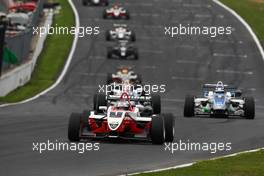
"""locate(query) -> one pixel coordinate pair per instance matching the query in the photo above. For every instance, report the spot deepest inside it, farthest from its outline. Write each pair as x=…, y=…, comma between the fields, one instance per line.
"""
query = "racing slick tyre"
x=74, y=127
x=189, y=106
x=249, y=108
x=156, y=105
x=85, y=118
x=84, y=2
x=133, y=36
x=106, y=3
x=99, y=100
x=136, y=54
x=169, y=123
x=127, y=16
x=109, y=79
x=139, y=79
x=107, y=35
x=109, y=53
x=104, y=14
x=157, y=130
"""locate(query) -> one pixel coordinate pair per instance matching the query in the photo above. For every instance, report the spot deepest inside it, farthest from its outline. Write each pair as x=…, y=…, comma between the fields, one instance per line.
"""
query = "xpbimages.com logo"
x=48, y=145
x=60, y=30
x=146, y=89
x=211, y=147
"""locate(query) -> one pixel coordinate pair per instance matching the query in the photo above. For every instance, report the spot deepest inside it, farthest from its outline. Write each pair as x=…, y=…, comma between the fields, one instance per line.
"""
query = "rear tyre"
x=99, y=100
x=109, y=53
x=127, y=15
x=169, y=122
x=133, y=36
x=74, y=127
x=109, y=79
x=136, y=54
x=249, y=108
x=105, y=15
x=106, y=3
x=107, y=35
x=139, y=79
x=157, y=130
x=156, y=105
x=189, y=106
x=84, y=2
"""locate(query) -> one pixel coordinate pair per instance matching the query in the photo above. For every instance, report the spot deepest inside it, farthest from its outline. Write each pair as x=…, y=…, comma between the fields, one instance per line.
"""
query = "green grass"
x=252, y=11
x=248, y=164
x=51, y=60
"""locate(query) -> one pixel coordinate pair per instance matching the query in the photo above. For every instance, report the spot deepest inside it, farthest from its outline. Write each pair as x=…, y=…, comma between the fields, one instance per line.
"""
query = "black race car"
x=95, y=2
x=123, y=50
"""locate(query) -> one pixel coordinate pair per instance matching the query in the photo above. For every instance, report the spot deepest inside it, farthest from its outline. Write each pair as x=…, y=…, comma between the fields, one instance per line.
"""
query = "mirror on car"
x=102, y=108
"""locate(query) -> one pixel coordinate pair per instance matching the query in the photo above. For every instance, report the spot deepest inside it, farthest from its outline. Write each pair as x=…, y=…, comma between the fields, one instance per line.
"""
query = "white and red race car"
x=116, y=12
x=124, y=74
x=121, y=119
x=120, y=32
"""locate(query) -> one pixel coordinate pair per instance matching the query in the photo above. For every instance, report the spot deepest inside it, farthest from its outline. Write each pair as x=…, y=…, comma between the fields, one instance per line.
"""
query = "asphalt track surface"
x=182, y=63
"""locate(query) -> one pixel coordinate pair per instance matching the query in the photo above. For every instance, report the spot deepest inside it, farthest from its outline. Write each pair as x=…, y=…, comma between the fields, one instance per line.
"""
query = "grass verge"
x=51, y=59
x=252, y=11
x=248, y=164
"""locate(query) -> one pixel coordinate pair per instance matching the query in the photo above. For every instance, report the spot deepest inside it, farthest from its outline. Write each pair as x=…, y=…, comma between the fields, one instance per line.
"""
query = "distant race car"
x=220, y=100
x=121, y=119
x=23, y=6
x=123, y=50
x=116, y=12
x=120, y=32
x=124, y=74
x=95, y=2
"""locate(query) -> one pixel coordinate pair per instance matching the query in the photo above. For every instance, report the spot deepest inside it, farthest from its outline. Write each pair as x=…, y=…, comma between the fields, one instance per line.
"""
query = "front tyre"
x=189, y=106
x=127, y=15
x=249, y=108
x=107, y=35
x=169, y=122
x=156, y=103
x=84, y=2
x=157, y=130
x=74, y=127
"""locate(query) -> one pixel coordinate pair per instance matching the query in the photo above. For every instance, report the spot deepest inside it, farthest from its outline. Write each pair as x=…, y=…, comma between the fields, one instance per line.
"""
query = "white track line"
x=66, y=66
x=190, y=164
x=229, y=55
x=234, y=72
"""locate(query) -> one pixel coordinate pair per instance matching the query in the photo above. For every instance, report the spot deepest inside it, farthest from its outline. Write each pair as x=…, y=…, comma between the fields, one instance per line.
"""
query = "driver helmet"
x=124, y=71
x=115, y=6
x=220, y=88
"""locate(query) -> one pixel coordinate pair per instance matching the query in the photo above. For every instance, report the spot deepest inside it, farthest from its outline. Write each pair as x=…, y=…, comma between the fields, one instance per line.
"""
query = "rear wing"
x=211, y=87
x=120, y=25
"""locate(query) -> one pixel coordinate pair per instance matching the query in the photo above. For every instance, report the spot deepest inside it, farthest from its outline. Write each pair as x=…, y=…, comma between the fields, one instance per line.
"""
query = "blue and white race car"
x=220, y=100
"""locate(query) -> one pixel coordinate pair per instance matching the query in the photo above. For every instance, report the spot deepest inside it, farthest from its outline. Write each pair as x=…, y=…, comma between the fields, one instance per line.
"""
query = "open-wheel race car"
x=124, y=74
x=220, y=100
x=120, y=32
x=122, y=50
x=121, y=118
x=116, y=12
x=95, y=2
